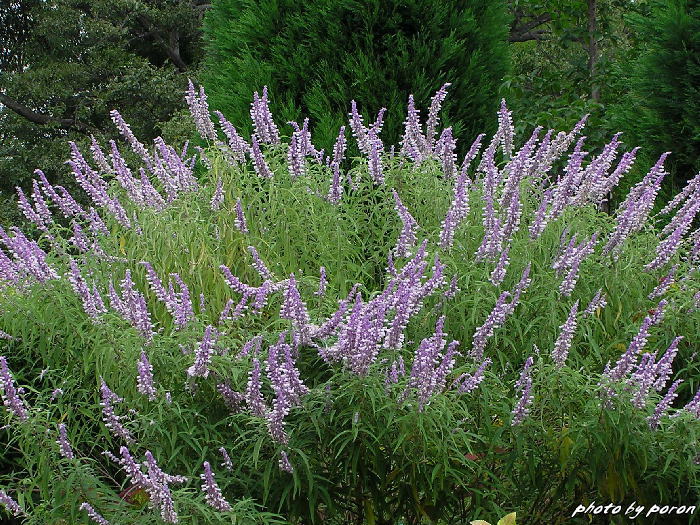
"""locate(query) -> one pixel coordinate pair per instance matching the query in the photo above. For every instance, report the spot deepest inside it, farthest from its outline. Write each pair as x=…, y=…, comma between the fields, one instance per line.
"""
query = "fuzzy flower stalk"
x=212, y=492
x=11, y=394
x=524, y=387
x=93, y=514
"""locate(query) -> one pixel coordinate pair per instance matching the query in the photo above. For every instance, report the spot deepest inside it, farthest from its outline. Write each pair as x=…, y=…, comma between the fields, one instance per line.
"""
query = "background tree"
x=66, y=63
x=662, y=109
x=316, y=56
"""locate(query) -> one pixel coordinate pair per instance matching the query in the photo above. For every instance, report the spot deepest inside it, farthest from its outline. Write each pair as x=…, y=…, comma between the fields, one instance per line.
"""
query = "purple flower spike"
x=265, y=129
x=694, y=405
x=217, y=198
x=293, y=308
x=240, y=221
x=200, y=112
x=261, y=167
x=11, y=505
x=566, y=335
x=598, y=301
x=284, y=463
x=253, y=394
x=499, y=272
x=407, y=238
x=259, y=265
x=228, y=464
x=322, y=283
x=94, y=515
x=63, y=443
x=664, y=405
x=469, y=382
x=111, y=420
x=203, y=353
x=144, y=379
x=212, y=491
x=524, y=387
x=10, y=394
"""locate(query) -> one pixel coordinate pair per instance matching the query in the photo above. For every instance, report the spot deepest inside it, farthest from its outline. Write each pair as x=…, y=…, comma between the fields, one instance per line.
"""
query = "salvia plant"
x=252, y=332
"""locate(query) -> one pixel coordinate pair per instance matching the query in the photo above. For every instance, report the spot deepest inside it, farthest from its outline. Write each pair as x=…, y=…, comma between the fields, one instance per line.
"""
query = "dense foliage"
x=66, y=63
x=662, y=109
x=318, y=55
x=412, y=340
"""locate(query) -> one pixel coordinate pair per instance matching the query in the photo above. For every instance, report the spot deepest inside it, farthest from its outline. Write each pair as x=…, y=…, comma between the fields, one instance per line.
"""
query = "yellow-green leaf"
x=508, y=519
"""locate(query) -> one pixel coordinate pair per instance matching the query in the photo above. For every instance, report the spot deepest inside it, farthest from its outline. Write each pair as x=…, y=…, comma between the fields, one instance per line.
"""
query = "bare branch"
x=43, y=119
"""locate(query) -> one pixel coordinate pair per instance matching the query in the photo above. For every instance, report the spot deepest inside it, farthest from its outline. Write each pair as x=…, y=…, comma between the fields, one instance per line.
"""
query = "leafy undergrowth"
x=263, y=333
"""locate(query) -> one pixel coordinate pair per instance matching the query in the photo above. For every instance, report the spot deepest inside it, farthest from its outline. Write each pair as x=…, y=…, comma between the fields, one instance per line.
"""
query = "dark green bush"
x=662, y=110
x=316, y=56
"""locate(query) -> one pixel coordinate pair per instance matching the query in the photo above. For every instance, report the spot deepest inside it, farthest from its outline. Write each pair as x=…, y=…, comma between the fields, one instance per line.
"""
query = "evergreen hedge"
x=316, y=56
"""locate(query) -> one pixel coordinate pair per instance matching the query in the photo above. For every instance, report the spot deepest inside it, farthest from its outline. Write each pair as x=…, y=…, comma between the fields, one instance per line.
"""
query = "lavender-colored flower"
x=93, y=514
x=217, y=198
x=598, y=301
x=459, y=207
x=493, y=321
x=643, y=379
x=228, y=464
x=29, y=258
x=506, y=131
x=203, y=353
x=635, y=209
x=469, y=382
x=430, y=366
x=261, y=167
x=414, y=144
x=144, y=378
x=265, y=129
x=445, y=151
x=662, y=368
x=63, y=443
x=433, y=111
x=159, y=491
x=682, y=222
x=627, y=360
x=58, y=392
x=111, y=420
x=92, y=301
x=10, y=394
x=322, y=283
x=232, y=399
x=566, y=335
x=452, y=290
x=212, y=492
x=407, y=238
x=284, y=463
x=293, y=308
x=10, y=504
x=200, y=112
x=499, y=272
x=240, y=221
x=239, y=147
x=259, y=265
x=664, y=405
x=126, y=132
x=694, y=405
x=541, y=215
x=664, y=284
x=253, y=394
x=524, y=387
x=376, y=169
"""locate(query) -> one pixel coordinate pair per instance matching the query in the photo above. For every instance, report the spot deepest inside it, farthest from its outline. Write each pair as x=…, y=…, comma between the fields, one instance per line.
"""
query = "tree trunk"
x=593, y=50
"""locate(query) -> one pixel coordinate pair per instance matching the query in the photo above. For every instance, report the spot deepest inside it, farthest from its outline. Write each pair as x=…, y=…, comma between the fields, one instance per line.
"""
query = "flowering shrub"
x=251, y=334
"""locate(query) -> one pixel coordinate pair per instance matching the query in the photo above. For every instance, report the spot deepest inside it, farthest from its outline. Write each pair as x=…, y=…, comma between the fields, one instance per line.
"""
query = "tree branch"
x=43, y=119
x=522, y=31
